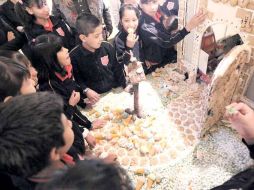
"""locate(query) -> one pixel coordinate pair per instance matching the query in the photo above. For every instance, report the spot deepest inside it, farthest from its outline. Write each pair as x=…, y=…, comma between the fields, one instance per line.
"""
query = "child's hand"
x=90, y=139
x=10, y=36
x=74, y=99
x=241, y=117
x=92, y=96
x=110, y=158
x=98, y=123
x=196, y=20
x=131, y=40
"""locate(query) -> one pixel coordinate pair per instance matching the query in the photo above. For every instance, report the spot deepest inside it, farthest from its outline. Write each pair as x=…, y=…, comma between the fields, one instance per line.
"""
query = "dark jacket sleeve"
x=3, y=37
x=163, y=39
x=76, y=73
x=16, y=44
x=69, y=110
x=117, y=68
x=250, y=147
x=107, y=18
x=122, y=51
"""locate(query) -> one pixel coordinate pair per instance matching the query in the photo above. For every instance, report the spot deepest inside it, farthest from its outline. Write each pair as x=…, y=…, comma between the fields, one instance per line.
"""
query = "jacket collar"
x=86, y=52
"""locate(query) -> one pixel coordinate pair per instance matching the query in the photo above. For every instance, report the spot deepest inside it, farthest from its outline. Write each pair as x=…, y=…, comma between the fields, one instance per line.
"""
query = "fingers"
x=243, y=108
x=92, y=144
x=240, y=107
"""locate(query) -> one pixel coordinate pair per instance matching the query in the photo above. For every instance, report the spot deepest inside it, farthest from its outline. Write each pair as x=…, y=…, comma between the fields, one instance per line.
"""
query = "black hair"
x=47, y=46
x=30, y=127
x=86, y=24
x=90, y=175
x=12, y=76
x=128, y=7
x=145, y=1
x=122, y=10
x=26, y=19
x=17, y=57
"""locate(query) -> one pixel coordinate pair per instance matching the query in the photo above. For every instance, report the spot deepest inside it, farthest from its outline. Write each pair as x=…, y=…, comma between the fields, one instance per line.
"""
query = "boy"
x=94, y=63
x=158, y=42
x=34, y=135
x=90, y=175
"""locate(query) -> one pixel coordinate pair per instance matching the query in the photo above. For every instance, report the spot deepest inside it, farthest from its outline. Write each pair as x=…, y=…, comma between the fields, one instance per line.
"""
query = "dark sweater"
x=123, y=52
x=157, y=41
x=97, y=70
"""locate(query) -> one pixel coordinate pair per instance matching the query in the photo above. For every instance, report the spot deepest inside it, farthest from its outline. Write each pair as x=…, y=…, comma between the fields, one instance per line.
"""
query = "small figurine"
x=135, y=74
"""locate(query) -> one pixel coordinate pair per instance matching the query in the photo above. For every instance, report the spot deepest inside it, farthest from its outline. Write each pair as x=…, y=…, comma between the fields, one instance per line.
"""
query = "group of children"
x=78, y=65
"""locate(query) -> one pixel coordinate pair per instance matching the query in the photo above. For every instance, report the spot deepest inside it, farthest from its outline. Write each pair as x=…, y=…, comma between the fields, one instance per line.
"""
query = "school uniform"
x=97, y=70
x=9, y=23
x=123, y=51
x=64, y=86
x=8, y=11
x=170, y=7
x=57, y=26
x=157, y=42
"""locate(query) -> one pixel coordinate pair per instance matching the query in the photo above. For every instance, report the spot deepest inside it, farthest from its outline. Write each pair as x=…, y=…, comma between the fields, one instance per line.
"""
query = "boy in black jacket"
x=94, y=63
x=40, y=143
x=157, y=38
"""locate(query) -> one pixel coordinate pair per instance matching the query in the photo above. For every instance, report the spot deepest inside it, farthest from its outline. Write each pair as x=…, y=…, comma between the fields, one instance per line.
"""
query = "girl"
x=35, y=17
x=60, y=80
x=127, y=40
x=156, y=34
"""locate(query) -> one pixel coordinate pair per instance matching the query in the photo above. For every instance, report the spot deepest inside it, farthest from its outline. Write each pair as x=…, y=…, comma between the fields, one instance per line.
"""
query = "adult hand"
x=241, y=117
x=196, y=20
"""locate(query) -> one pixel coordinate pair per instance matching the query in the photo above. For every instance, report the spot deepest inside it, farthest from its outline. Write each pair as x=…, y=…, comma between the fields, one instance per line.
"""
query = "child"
x=21, y=59
x=127, y=40
x=14, y=79
x=59, y=74
x=34, y=135
x=90, y=175
x=156, y=40
x=60, y=80
x=34, y=16
x=36, y=19
x=94, y=63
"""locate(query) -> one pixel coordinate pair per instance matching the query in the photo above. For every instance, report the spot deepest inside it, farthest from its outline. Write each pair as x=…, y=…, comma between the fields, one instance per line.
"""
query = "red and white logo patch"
x=170, y=5
x=104, y=60
x=60, y=31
